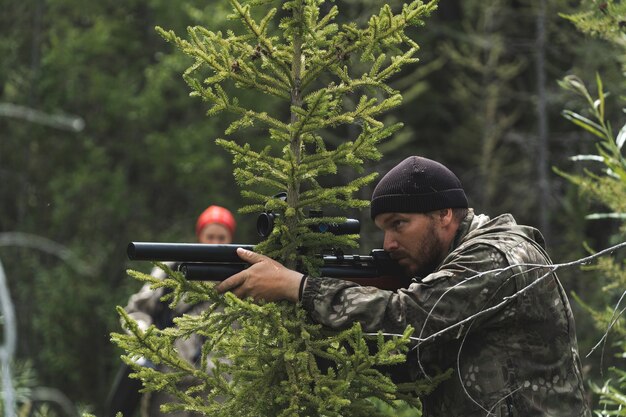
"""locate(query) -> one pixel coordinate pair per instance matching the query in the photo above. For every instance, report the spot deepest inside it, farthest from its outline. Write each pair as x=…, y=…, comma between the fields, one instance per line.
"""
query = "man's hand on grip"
x=265, y=279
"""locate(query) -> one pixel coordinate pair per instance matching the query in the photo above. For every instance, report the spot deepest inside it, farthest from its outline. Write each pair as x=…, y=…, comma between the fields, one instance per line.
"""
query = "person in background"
x=485, y=300
x=215, y=225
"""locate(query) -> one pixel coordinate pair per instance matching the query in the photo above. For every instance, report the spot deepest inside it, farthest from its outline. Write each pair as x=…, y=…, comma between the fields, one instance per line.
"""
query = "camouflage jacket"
x=517, y=357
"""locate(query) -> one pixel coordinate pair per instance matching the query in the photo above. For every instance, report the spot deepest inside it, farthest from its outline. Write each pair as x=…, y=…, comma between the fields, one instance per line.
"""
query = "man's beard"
x=430, y=254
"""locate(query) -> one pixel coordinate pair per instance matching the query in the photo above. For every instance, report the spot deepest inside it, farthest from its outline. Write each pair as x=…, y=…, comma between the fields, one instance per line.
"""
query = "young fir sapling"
x=306, y=69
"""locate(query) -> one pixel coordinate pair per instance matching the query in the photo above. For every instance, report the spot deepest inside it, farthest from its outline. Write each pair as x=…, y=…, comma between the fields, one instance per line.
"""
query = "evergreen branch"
x=363, y=147
x=331, y=196
x=260, y=32
x=397, y=62
x=250, y=179
x=323, y=106
x=253, y=195
x=150, y=344
x=366, y=110
x=222, y=102
x=246, y=72
x=223, y=64
x=249, y=76
x=248, y=117
x=348, y=153
x=319, y=104
x=262, y=117
x=274, y=167
x=325, y=21
x=366, y=80
x=176, y=281
x=380, y=31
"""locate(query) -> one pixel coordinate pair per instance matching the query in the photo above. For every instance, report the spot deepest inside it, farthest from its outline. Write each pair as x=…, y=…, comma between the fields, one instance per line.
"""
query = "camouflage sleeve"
x=462, y=287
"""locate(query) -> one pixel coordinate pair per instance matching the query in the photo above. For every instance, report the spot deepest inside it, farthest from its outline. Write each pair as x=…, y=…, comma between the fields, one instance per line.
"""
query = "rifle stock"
x=211, y=262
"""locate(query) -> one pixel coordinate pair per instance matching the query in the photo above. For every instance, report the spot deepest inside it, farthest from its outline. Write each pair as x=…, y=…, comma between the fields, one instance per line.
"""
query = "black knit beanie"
x=417, y=185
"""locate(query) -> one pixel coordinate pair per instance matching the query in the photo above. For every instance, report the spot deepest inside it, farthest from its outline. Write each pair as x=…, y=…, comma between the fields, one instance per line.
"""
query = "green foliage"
x=607, y=186
x=139, y=167
x=272, y=360
x=145, y=163
x=29, y=401
x=604, y=19
x=612, y=395
x=264, y=360
x=302, y=62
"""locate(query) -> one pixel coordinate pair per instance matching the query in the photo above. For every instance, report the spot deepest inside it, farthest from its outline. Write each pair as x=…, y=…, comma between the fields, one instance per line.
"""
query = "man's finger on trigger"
x=229, y=284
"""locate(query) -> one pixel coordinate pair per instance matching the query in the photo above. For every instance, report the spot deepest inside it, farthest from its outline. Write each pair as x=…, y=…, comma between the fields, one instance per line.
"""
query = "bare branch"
x=59, y=121
x=614, y=319
x=550, y=269
x=46, y=245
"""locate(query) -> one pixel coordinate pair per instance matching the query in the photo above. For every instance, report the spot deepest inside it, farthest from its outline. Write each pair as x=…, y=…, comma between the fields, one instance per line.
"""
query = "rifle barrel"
x=210, y=272
x=364, y=276
x=220, y=271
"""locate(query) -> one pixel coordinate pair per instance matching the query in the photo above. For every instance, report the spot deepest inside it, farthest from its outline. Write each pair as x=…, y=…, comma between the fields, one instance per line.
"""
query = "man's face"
x=414, y=240
x=215, y=233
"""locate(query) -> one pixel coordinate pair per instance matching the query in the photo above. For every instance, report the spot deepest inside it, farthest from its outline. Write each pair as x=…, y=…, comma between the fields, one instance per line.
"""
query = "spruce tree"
x=268, y=359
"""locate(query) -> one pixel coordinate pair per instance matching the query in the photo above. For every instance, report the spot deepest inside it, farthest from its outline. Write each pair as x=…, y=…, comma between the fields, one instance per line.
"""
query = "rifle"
x=216, y=262
x=212, y=262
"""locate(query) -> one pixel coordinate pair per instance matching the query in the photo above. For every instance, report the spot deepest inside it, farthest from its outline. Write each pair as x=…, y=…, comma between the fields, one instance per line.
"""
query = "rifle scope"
x=265, y=225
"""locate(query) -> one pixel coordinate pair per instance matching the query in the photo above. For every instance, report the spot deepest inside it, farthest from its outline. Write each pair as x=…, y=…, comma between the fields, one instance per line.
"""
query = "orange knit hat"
x=216, y=214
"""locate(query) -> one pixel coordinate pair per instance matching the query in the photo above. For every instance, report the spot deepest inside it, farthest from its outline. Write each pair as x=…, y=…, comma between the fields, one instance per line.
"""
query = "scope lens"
x=265, y=224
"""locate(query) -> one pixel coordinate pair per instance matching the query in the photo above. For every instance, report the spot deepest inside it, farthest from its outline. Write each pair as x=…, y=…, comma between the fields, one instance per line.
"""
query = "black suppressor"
x=184, y=252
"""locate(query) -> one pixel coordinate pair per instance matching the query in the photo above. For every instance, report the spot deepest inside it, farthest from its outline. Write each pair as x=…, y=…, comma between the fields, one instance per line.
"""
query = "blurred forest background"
x=100, y=145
